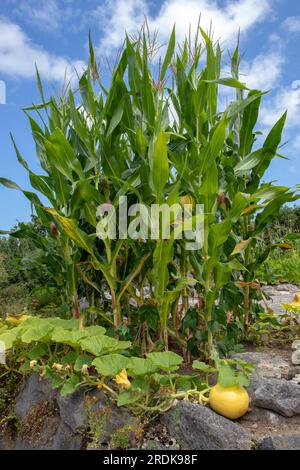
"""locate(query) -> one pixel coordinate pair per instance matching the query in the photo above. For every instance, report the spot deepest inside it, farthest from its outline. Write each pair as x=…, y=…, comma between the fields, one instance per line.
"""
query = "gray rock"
x=266, y=364
x=56, y=432
x=281, y=288
x=288, y=442
x=260, y=415
x=65, y=439
x=296, y=379
x=280, y=294
x=50, y=421
x=197, y=427
x=72, y=409
x=34, y=391
x=293, y=371
x=39, y=439
x=281, y=396
x=82, y=410
x=106, y=420
x=92, y=411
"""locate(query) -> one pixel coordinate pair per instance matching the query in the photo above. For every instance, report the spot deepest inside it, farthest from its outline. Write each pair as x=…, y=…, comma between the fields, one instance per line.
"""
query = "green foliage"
x=72, y=357
x=280, y=268
x=230, y=372
x=31, y=275
x=155, y=136
x=111, y=365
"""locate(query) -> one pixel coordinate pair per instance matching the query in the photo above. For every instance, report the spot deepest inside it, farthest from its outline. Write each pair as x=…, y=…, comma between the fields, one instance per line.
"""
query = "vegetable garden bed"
x=138, y=303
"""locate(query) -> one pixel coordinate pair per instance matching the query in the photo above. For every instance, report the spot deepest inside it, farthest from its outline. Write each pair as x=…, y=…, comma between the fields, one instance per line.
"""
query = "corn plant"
x=157, y=135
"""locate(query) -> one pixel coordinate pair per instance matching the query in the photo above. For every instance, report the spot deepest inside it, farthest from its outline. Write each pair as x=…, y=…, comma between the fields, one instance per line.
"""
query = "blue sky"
x=54, y=35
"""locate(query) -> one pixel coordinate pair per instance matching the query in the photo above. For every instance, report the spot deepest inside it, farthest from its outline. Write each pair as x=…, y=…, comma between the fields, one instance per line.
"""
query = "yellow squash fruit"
x=231, y=402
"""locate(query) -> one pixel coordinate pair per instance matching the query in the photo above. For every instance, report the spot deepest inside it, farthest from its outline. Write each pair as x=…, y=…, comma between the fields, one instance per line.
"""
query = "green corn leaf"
x=272, y=210
x=33, y=198
x=9, y=184
x=241, y=246
x=250, y=161
x=92, y=60
x=78, y=121
x=116, y=119
x=209, y=187
x=267, y=192
x=271, y=145
x=215, y=145
x=39, y=84
x=238, y=106
x=239, y=203
x=19, y=156
x=212, y=72
x=160, y=164
x=222, y=272
x=228, y=81
x=40, y=184
x=169, y=55
x=218, y=234
x=62, y=155
x=73, y=231
x=141, y=142
x=87, y=95
x=162, y=256
x=249, y=120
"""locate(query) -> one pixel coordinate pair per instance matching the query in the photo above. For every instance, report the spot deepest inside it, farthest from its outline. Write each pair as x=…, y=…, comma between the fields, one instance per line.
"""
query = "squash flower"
x=122, y=379
x=296, y=301
x=57, y=367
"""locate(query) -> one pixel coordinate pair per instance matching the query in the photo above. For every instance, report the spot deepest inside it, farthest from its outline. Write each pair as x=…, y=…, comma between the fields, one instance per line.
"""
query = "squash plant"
x=70, y=358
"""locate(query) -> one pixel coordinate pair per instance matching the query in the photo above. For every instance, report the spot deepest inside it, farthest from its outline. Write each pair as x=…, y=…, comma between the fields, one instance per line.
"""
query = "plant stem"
x=116, y=309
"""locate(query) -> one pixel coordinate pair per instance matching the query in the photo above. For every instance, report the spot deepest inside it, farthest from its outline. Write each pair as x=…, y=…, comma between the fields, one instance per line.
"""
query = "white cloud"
x=45, y=15
x=292, y=24
x=286, y=99
x=117, y=16
x=49, y=16
x=264, y=72
x=18, y=56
